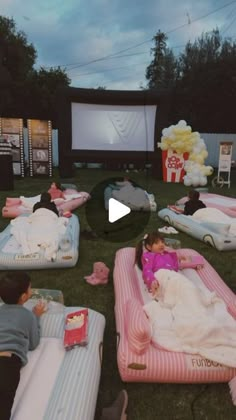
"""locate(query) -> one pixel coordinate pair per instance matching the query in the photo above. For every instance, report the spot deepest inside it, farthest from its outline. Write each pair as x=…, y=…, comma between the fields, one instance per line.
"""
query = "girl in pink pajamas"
x=151, y=256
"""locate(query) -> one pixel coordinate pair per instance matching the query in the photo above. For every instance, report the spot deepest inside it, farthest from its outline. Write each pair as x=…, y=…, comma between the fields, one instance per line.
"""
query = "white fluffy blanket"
x=42, y=229
x=190, y=319
x=210, y=214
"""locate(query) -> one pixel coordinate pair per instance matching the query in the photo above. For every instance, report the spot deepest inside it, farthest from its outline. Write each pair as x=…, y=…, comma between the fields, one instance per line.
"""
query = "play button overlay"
x=116, y=210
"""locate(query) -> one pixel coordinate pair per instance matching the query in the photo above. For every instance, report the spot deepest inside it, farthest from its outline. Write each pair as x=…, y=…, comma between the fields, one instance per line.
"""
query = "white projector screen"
x=113, y=127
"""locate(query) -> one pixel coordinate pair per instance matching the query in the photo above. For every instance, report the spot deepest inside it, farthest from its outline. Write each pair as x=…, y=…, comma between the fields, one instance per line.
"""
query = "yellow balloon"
x=199, y=159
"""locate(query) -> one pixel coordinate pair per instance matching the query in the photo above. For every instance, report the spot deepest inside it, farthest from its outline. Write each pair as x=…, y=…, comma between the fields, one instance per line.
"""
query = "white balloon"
x=201, y=141
x=165, y=132
x=195, y=171
x=187, y=181
x=202, y=181
x=196, y=149
x=182, y=123
x=195, y=181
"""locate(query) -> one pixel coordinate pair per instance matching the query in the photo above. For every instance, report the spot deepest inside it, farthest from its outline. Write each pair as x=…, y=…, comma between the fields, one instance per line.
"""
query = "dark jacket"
x=193, y=205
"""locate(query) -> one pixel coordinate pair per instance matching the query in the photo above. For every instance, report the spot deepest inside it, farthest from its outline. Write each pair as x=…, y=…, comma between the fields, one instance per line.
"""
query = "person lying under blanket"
x=184, y=317
x=42, y=230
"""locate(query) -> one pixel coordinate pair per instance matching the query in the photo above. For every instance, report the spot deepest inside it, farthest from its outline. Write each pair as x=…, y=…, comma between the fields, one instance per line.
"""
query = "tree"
x=161, y=73
x=18, y=57
x=201, y=82
x=41, y=89
x=16, y=60
x=24, y=91
x=207, y=78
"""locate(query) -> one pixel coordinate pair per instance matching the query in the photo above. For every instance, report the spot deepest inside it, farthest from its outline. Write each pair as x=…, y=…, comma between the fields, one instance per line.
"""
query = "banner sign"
x=40, y=147
x=11, y=129
x=225, y=157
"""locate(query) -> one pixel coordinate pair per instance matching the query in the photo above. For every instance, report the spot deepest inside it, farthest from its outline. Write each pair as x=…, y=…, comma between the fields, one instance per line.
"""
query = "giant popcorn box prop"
x=76, y=329
x=173, y=165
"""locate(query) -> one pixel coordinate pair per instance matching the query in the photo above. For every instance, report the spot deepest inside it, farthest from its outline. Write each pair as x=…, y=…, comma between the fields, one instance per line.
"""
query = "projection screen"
x=113, y=128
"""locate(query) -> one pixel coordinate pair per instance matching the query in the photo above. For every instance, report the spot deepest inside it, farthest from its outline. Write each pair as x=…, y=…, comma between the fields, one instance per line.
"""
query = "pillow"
x=29, y=202
x=176, y=209
x=221, y=228
x=139, y=329
x=11, y=201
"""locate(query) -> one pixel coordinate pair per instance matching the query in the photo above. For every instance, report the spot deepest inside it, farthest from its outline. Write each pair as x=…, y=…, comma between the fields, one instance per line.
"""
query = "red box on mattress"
x=76, y=329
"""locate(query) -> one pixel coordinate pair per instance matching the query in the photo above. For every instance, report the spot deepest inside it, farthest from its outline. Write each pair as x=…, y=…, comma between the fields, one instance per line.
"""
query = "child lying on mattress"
x=193, y=204
x=19, y=332
x=46, y=203
x=55, y=191
x=151, y=255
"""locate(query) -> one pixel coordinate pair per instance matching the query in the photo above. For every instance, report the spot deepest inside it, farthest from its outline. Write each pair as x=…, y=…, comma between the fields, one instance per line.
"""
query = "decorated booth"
x=183, y=155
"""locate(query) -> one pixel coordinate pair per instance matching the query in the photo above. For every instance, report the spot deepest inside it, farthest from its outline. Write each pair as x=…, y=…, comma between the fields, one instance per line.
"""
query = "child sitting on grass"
x=19, y=332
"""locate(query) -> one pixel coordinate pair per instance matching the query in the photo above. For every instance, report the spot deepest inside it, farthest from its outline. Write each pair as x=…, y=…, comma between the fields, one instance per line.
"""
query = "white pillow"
x=29, y=202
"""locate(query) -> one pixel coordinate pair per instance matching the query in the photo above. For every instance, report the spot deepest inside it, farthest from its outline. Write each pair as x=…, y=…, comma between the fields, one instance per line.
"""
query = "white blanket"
x=210, y=214
x=41, y=230
x=29, y=202
x=132, y=196
x=190, y=319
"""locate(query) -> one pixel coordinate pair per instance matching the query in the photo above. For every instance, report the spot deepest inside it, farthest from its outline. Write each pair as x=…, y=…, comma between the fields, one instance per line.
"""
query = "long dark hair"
x=58, y=185
x=149, y=239
x=45, y=197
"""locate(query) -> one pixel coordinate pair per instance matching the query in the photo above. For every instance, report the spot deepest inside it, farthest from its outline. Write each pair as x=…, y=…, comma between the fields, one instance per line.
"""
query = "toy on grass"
x=100, y=274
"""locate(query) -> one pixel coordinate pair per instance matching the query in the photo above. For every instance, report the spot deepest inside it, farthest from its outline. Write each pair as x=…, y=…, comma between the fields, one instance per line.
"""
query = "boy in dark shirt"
x=193, y=204
x=19, y=332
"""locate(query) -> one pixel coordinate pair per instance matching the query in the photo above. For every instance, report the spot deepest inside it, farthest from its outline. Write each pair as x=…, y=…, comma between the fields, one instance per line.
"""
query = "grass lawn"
x=146, y=401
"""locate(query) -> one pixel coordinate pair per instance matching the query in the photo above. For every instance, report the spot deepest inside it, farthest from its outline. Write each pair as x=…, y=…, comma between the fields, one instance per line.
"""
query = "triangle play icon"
x=116, y=210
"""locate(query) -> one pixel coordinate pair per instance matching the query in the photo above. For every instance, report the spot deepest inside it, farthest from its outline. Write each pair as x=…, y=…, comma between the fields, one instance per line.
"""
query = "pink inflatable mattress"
x=16, y=206
x=156, y=364
x=225, y=204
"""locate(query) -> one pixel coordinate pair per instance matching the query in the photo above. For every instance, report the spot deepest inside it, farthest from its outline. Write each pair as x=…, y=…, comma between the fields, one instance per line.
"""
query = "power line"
x=130, y=55
x=145, y=42
x=230, y=24
x=117, y=56
x=113, y=68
